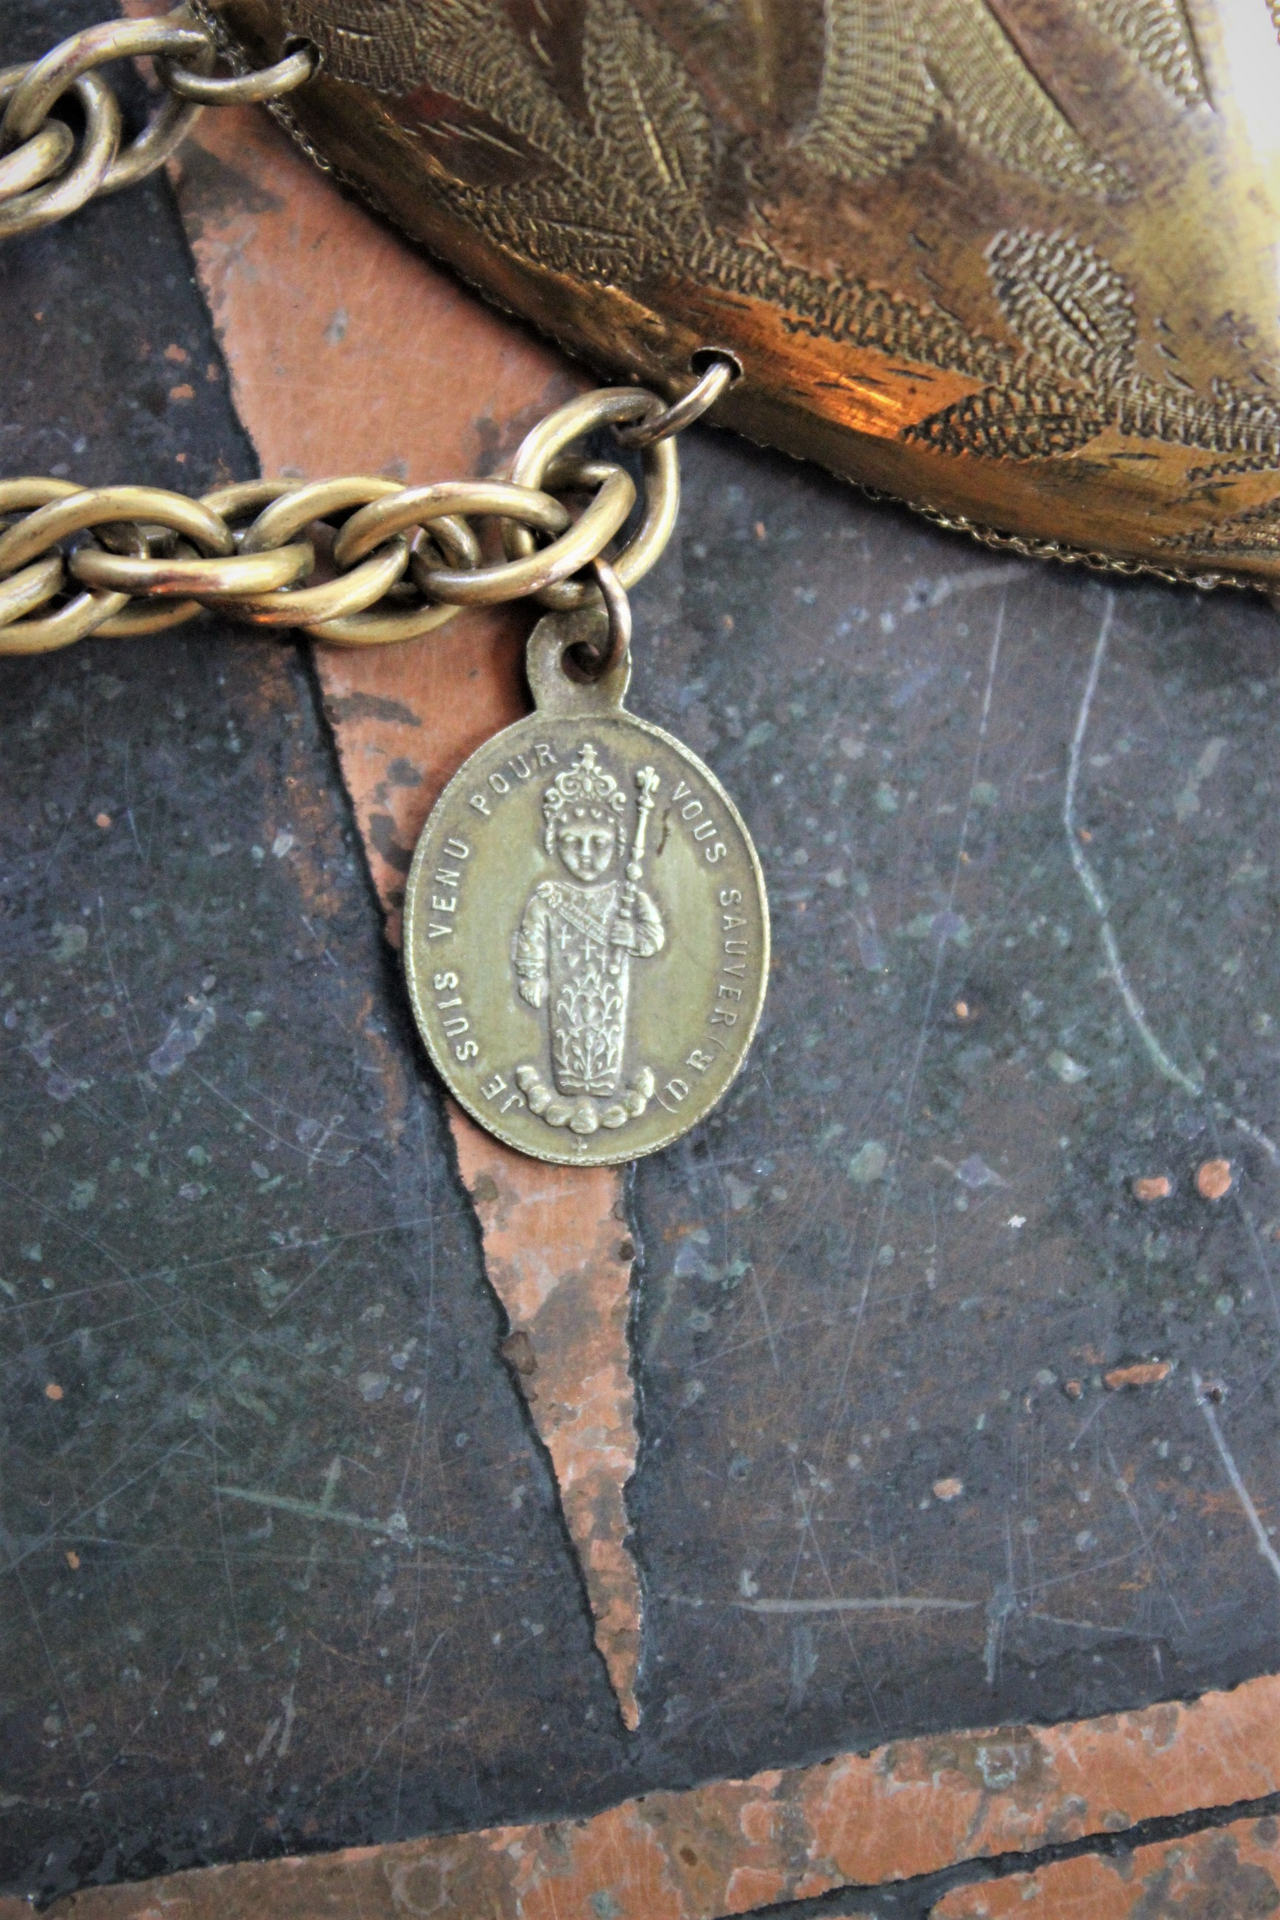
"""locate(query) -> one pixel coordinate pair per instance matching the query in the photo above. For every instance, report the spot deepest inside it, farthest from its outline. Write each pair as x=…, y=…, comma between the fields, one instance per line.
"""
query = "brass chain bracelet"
x=399, y=561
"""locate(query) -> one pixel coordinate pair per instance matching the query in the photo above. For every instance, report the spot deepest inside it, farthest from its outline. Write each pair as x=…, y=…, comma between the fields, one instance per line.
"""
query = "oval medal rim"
x=490, y=1123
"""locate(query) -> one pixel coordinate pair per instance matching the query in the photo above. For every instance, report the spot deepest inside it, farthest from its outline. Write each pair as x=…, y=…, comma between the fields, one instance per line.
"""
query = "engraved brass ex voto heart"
x=1014, y=260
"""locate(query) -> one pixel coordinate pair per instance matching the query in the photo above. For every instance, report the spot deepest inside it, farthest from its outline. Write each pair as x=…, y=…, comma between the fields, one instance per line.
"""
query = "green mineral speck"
x=869, y=1163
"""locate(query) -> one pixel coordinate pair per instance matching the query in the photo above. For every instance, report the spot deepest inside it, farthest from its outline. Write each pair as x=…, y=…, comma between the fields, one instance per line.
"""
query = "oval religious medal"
x=586, y=928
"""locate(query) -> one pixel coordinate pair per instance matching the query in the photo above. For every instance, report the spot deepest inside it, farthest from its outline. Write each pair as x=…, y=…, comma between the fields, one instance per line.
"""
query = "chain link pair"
x=43, y=178
x=402, y=560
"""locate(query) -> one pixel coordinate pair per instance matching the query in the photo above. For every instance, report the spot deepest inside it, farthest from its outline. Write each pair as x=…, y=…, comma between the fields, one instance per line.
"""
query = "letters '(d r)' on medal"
x=586, y=928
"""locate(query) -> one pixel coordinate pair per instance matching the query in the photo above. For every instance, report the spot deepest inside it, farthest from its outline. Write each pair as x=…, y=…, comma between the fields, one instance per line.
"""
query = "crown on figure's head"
x=583, y=791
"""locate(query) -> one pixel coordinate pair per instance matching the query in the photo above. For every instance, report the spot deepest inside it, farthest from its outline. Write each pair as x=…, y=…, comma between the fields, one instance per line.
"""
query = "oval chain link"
x=538, y=458
x=24, y=209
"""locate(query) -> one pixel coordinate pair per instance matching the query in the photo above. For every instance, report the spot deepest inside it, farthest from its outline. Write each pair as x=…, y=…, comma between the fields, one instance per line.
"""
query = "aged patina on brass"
x=586, y=927
x=1014, y=260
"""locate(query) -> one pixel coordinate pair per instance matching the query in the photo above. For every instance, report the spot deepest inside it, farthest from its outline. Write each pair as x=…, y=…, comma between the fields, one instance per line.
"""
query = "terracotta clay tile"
x=350, y=353
x=567, y=1297
x=911, y=1808
x=1233, y=1871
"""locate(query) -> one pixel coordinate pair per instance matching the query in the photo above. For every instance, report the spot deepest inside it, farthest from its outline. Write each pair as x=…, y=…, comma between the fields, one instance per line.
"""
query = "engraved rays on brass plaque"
x=1013, y=260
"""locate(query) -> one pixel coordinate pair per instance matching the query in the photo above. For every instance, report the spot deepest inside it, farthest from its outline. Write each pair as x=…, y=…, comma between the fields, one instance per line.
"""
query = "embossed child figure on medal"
x=574, y=947
x=586, y=927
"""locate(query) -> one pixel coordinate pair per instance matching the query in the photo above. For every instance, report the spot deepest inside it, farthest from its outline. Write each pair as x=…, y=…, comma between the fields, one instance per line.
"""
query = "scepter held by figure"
x=647, y=784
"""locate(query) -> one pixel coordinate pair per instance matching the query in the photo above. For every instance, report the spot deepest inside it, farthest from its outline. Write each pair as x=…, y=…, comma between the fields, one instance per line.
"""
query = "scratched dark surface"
x=282, y=1564
x=875, y=1282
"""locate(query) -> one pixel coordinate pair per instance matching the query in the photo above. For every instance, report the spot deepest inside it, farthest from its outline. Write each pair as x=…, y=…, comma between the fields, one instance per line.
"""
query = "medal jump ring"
x=242, y=89
x=721, y=371
x=579, y=651
x=618, y=607
x=535, y=460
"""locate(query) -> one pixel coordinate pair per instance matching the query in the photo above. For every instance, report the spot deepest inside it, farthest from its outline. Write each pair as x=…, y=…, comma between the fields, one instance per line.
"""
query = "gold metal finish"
x=108, y=506
x=1013, y=262
x=241, y=89
x=37, y=186
x=1020, y=271
x=287, y=507
x=617, y=607
x=87, y=613
x=586, y=928
x=33, y=490
x=29, y=588
x=241, y=577
x=582, y=1042
x=140, y=616
x=721, y=372
x=44, y=84
x=515, y=579
x=380, y=628
x=350, y=593
x=538, y=460
x=404, y=559
x=45, y=153
x=25, y=211
x=427, y=506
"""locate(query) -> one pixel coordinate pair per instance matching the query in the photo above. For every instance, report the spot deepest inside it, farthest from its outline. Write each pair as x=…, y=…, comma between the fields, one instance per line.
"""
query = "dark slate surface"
x=1018, y=827
x=234, y=1243
x=232, y=1238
